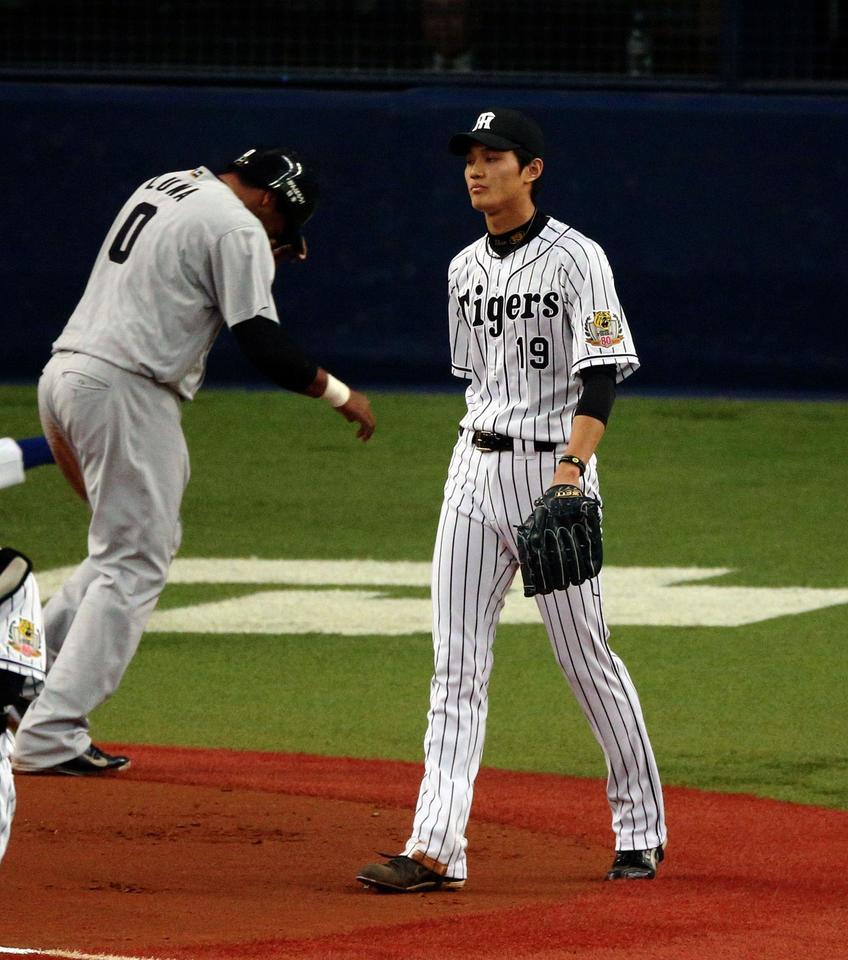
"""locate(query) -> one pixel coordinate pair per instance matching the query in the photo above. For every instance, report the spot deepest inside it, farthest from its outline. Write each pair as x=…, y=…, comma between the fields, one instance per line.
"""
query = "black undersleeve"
x=270, y=349
x=598, y=394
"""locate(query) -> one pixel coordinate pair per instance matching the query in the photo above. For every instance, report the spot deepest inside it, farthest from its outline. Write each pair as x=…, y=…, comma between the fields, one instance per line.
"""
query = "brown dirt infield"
x=220, y=855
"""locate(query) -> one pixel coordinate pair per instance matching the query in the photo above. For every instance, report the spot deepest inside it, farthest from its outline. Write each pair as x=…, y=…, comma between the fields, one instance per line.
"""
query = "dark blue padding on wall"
x=723, y=217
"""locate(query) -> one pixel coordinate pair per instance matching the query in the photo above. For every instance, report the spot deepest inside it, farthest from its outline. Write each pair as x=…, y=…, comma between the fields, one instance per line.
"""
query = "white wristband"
x=336, y=393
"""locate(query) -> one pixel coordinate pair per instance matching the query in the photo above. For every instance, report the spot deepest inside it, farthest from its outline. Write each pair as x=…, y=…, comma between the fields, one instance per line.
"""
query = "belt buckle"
x=483, y=440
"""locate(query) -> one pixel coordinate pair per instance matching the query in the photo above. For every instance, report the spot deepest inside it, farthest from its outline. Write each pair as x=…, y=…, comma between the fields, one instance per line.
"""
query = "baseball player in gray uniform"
x=189, y=252
x=537, y=329
x=22, y=663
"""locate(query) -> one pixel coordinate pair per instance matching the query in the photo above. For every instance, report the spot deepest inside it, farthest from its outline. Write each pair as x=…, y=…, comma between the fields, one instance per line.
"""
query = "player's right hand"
x=358, y=410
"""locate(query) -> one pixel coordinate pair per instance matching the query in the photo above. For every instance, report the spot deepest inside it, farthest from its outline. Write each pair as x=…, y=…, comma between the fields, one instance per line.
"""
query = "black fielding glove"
x=560, y=544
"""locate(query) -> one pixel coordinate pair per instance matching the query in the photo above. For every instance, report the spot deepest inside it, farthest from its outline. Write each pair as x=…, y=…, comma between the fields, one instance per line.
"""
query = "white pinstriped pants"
x=474, y=563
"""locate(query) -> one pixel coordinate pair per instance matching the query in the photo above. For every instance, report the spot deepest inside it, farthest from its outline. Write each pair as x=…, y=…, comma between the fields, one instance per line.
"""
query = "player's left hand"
x=289, y=252
x=560, y=543
x=358, y=410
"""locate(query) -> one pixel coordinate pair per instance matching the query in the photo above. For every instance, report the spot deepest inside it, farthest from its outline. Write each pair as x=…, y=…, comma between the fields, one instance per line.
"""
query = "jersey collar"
x=503, y=244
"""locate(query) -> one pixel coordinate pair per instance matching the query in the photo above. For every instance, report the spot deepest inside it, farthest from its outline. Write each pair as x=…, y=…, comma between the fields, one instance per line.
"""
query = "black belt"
x=488, y=442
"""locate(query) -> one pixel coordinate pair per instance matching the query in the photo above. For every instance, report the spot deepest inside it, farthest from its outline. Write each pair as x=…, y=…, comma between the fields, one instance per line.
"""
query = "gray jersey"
x=183, y=257
x=523, y=326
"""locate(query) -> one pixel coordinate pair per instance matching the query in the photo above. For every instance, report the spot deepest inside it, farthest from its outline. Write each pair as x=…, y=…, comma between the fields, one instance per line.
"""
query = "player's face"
x=495, y=179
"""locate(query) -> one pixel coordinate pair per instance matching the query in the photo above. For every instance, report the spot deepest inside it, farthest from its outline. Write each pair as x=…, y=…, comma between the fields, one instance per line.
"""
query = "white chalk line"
x=69, y=954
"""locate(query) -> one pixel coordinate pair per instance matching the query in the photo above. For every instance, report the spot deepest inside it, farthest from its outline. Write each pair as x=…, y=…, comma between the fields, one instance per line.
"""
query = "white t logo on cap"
x=484, y=121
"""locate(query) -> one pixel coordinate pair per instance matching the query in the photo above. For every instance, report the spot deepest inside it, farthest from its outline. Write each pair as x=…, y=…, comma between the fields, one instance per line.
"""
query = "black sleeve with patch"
x=270, y=349
x=598, y=394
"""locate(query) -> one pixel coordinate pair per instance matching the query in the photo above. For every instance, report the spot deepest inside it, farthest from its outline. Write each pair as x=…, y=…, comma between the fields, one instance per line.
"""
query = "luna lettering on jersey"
x=512, y=306
x=603, y=329
x=172, y=186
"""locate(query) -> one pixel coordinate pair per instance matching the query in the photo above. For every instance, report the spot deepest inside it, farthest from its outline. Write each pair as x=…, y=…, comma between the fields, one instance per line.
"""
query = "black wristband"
x=575, y=461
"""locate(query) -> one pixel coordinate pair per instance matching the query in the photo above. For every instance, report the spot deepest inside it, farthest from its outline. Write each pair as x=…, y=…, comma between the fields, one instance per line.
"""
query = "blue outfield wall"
x=723, y=217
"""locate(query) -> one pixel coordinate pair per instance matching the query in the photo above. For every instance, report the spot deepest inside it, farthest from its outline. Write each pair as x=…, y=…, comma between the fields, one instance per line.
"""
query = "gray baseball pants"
x=118, y=436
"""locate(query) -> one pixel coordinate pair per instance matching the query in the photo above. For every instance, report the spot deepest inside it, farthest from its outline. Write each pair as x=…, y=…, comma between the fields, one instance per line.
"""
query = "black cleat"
x=405, y=875
x=636, y=864
x=91, y=763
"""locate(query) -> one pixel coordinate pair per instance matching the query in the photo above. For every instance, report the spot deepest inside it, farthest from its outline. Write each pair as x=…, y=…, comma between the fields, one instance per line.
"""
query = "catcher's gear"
x=560, y=544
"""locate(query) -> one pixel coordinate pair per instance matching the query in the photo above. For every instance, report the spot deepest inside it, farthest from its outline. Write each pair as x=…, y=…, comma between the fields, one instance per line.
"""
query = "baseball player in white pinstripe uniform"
x=537, y=329
x=23, y=652
x=22, y=663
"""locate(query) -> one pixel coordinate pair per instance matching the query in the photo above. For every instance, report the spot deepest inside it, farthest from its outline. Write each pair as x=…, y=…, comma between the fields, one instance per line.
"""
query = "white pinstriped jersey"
x=23, y=650
x=183, y=256
x=523, y=326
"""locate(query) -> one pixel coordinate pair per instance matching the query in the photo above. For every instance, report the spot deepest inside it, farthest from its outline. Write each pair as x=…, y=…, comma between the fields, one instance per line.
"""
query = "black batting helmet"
x=285, y=174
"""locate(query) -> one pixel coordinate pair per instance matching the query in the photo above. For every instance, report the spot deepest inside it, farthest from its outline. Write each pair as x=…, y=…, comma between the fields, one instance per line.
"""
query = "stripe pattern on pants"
x=474, y=564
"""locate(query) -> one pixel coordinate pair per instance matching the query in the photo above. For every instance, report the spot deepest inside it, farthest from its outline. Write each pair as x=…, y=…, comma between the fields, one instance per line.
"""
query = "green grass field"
x=755, y=486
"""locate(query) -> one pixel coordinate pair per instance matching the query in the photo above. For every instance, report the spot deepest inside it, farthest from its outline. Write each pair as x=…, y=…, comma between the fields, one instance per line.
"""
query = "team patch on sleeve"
x=23, y=638
x=603, y=329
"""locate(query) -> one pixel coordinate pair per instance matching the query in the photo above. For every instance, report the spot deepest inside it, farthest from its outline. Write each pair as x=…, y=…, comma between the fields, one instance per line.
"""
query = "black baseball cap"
x=501, y=129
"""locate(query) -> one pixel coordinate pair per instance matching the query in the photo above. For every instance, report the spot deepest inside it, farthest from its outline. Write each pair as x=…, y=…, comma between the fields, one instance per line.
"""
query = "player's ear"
x=533, y=170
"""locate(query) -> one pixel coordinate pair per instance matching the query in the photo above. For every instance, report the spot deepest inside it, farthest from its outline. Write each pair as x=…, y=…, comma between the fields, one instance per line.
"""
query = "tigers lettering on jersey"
x=516, y=306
